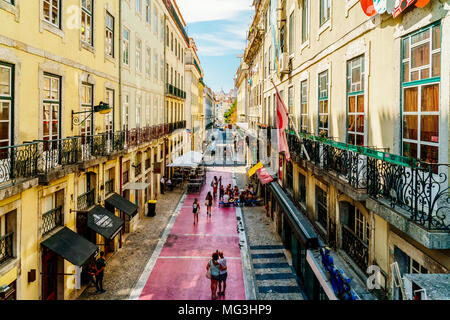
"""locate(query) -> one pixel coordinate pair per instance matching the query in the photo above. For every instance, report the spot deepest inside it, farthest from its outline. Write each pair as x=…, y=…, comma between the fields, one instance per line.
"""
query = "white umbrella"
x=191, y=159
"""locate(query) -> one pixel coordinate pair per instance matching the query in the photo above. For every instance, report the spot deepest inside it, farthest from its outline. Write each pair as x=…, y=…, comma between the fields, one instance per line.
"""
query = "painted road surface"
x=180, y=268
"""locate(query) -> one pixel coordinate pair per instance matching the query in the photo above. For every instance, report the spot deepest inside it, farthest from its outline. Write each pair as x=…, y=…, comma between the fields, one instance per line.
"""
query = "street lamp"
x=102, y=108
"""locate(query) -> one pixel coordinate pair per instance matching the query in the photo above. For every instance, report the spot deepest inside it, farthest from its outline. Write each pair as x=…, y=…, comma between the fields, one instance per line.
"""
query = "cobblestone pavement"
x=125, y=266
x=274, y=276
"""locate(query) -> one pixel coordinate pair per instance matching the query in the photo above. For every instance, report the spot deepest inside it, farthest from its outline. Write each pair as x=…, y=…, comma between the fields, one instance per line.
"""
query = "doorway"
x=49, y=275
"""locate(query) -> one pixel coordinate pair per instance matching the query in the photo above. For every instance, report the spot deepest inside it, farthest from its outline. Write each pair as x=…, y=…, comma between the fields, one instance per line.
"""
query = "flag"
x=282, y=122
x=253, y=170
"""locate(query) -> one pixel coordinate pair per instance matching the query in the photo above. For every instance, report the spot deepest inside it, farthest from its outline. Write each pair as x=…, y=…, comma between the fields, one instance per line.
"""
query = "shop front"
x=63, y=245
x=128, y=210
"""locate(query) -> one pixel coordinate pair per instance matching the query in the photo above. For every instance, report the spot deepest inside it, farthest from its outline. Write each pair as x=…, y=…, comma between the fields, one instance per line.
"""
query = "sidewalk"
x=125, y=266
x=274, y=276
x=178, y=271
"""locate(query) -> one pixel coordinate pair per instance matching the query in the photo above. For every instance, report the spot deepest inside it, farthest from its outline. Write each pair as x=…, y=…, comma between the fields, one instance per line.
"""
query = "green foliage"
x=229, y=115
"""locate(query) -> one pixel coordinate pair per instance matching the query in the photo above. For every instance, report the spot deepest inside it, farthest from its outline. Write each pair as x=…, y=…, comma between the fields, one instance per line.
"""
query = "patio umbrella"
x=191, y=159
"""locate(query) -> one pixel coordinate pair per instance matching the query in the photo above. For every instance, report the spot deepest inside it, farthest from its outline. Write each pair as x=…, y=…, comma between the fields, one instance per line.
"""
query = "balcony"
x=138, y=169
x=147, y=163
x=52, y=219
x=175, y=92
x=355, y=248
x=412, y=196
x=86, y=200
x=6, y=247
x=19, y=162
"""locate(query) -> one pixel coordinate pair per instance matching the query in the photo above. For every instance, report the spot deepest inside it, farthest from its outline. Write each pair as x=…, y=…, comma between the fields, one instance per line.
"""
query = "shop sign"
x=264, y=176
x=394, y=7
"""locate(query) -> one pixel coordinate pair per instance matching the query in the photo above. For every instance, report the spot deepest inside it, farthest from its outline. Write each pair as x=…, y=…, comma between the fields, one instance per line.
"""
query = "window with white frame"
x=155, y=19
x=323, y=104
x=138, y=55
x=325, y=11
x=147, y=109
x=51, y=11
x=304, y=107
x=51, y=107
x=109, y=36
x=6, y=104
x=291, y=33
x=148, y=62
x=126, y=47
x=421, y=71
x=87, y=22
x=139, y=6
x=148, y=11
x=155, y=66
x=305, y=21
x=138, y=111
x=355, y=101
x=161, y=29
x=87, y=104
x=109, y=118
x=161, y=69
x=290, y=106
x=126, y=111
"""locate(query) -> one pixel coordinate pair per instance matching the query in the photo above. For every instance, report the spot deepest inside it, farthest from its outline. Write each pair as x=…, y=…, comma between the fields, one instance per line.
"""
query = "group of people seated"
x=233, y=196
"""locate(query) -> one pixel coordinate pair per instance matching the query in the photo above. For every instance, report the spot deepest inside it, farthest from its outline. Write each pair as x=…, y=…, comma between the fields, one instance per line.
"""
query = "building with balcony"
x=368, y=135
x=81, y=136
x=176, y=47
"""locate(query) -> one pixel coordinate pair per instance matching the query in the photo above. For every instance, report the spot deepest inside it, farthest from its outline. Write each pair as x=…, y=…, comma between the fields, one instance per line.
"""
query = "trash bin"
x=151, y=208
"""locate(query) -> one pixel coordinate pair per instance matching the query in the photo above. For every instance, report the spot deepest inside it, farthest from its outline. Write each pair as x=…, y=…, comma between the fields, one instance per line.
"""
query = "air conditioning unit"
x=284, y=63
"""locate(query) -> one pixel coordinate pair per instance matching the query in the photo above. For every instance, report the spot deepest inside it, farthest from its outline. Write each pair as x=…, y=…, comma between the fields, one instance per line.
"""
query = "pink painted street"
x=179, y=271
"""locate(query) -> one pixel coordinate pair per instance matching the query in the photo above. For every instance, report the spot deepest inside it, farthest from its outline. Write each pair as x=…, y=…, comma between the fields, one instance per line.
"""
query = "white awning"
x=137, y=186
x=191, y=160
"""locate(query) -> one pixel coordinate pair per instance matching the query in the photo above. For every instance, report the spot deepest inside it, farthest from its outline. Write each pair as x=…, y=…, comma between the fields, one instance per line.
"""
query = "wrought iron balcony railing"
x=420, y=190
x=355, y=248
x=52, y=219
x=138, y=169
x=6, y=247
x=19, y=162
x=86, y=200
x=147, y=163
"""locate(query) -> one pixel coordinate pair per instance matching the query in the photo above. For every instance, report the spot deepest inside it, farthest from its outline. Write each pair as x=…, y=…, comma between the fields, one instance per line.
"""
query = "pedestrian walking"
x=221, y=193
x=196, y=210
x=220, y=182
x=209, y=203
x=162, y=183
x=92, y=271
x=101, y=264
x=222, y=274
x=214, y=184
x=213, y=268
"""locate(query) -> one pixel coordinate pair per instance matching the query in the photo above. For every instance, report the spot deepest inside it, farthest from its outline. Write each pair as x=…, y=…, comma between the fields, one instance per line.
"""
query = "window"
x=148, y=11
x=270, y=60
x=161, y=29
x=167, y=36
x=325, y=10
x=138, y=56
x=283, y=39
x=52, y=12
x=109, y=35
x=355, y=101
x=8, y=225
x=147, y=109
x=53, y=214
x=138, y=111
x=9, y=1
x=290, y=177
x=155, y=19
x=6, y=104
x=87, y=106
x=321, y=207
x=155, y=65
x=305, y=21
x=291, y=106
x=421, y=68
x=148, y=63
x=304, y=107
x=161, y=70
x=109, y=118
x=139, y=6
x=126, y=111
x=171, y=41
x=291, y=32
x=87, y=23
x=323, y=104
x=301, y=196
x=126, y=47
x=51, y=107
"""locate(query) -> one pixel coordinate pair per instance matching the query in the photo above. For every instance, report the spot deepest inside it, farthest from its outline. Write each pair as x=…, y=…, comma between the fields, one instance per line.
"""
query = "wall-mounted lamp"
x=102, y=108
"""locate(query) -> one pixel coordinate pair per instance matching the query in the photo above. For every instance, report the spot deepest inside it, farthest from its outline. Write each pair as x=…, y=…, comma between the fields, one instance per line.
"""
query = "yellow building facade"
x=84, y=134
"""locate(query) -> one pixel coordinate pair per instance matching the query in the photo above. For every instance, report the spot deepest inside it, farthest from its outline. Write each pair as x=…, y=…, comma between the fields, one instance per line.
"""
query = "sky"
x=219, y=30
